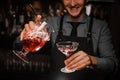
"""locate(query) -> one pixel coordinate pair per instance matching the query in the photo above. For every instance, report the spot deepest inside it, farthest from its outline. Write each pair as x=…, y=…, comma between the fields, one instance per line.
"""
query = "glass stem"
x=24, y=51
x=66, y=53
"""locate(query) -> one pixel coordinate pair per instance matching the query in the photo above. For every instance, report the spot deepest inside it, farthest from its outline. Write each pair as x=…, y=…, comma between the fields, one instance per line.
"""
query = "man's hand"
x=30, y=26
x=80, y=60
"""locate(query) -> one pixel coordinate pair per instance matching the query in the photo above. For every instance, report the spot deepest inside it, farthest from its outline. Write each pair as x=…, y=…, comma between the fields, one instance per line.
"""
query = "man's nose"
x=73, y=2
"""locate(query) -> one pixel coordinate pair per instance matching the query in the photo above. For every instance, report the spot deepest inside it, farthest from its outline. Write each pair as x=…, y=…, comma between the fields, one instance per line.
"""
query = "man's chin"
x=74, y=15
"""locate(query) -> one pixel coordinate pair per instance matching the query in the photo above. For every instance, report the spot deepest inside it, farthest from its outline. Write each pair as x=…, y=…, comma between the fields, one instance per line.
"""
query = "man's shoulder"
x=99, y=26
x=54, y=21
x=99, y=21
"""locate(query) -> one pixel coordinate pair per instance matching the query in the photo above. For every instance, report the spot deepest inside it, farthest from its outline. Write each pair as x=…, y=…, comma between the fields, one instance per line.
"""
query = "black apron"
x=85, y=44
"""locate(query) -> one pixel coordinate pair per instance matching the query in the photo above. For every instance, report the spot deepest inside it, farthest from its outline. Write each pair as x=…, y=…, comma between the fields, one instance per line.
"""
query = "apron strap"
x=60, y=33
x=89, y=34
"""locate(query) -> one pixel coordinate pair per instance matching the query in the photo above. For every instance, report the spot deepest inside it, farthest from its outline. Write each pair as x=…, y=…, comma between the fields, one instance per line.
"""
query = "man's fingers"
x=26, y=29
x=80, y=64
x=31, y=25
x=71, y=58
x=37, y=19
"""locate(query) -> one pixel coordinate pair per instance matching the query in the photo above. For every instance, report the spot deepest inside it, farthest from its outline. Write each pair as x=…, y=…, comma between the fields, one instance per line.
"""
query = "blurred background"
x=15, y=13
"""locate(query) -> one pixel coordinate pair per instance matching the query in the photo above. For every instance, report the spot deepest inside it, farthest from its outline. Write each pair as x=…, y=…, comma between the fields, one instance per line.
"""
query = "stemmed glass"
x=32, y=42
x=67, y=48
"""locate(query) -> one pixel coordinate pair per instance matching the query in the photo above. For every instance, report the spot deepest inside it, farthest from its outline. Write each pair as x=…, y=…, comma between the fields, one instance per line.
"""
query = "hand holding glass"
x=32, y=42
x=67, y=48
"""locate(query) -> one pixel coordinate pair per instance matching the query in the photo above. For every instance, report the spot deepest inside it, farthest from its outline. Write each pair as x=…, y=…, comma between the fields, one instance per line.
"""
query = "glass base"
x=21, y=55
x=66, y=70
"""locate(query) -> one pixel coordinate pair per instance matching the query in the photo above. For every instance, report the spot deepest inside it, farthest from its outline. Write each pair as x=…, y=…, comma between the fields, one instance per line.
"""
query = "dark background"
x=111, y=15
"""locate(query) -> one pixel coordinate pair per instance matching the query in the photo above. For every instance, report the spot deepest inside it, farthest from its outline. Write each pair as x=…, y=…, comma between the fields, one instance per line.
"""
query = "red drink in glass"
x=32, y=42
x=33, y=45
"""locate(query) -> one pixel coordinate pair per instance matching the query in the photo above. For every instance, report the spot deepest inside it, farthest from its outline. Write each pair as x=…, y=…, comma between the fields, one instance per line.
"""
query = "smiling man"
x=74, y=7
x=95, y=55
